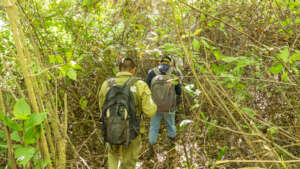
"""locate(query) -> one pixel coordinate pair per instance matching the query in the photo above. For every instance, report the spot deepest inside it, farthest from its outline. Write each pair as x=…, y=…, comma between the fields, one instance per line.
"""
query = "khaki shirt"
x=140, y=91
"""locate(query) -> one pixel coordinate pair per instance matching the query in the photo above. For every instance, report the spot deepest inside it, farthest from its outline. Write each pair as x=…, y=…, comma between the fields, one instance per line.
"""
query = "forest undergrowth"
x=240, y=63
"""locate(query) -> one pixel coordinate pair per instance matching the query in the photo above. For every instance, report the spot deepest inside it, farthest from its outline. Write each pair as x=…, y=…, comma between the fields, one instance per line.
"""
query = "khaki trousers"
x=127, y=156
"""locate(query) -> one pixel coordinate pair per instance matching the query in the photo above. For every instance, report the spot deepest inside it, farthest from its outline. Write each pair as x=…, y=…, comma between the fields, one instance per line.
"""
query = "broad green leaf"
x=249, y=111
x=197, y=32
x=44, y=164
x=298, y=114
x=59, y=59
x=52, y=59
x=273, y=130
x=196, y=44
x=2, y=134
x=29, y=136
x=21, y=110
x=276, y=68
x=10, y=123
x=24, y=154
x=35, y=119
x=72, y=74
x=218, y=54
x=83, y=102
x=284, y=55
x=204, y=118
x=69, y=55
x=3, y=145
x=205, y=43
x=222, y=152
x=285, y=76
x=229, y=59
x=15, y=136
x=296, y=56
x=2, y=152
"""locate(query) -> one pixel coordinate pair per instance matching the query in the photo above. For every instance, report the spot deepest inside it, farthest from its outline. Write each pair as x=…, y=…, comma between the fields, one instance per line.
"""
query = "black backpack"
x=120, y=122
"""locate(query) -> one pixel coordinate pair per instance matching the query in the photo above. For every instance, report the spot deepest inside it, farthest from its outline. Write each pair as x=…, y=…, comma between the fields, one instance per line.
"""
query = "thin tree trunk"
x=8, y=139
x=18, y=35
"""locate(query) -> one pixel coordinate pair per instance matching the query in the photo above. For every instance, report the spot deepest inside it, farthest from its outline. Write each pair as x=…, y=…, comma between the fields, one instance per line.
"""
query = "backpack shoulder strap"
x=130, y=82
x=111, y=82
x=156, y=71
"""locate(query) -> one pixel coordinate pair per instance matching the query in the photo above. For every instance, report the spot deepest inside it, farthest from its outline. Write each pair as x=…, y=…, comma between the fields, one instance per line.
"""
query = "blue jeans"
x=155, y=125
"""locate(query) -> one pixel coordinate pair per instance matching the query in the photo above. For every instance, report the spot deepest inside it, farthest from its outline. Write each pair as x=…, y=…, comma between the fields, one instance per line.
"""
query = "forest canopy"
x=239, y=60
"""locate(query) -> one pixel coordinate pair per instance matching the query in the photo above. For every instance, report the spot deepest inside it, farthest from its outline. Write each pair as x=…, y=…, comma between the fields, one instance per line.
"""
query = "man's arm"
x=148, y=106
x=149, y=77
x=102, y=94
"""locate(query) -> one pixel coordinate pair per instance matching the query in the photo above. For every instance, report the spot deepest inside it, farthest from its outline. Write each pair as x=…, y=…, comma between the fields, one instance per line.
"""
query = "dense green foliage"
x=240, y=62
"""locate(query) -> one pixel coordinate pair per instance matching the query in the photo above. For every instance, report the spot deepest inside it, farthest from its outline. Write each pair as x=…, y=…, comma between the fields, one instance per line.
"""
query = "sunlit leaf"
x=285, y=76
x=10, y=123
x=229, y=59
x=273, y=130
x=24, y=154
x=29, y=136
x=15, y=136
x=222, y=152
x=35, y=119
x=83, y=102
x=2, y=134
x=218, y=54
x=249, y=111
x=72, y=74
x=69, y=55
x=21, y=110
x=296, y=56
x=276, y=68
x=284, y=55
x=196, y=44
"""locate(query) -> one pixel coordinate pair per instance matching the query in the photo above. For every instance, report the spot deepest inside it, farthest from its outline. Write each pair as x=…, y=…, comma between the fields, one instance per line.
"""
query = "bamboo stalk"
x=12, y=13
x=8, y=139
x=255, y=161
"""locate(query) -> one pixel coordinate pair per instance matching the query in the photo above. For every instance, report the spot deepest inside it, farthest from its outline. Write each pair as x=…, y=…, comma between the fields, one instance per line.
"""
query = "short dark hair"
x=126, y=64
x=166, y=59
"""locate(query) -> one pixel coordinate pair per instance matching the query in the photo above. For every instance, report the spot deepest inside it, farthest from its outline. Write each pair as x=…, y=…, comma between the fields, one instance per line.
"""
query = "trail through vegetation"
x=240, y=63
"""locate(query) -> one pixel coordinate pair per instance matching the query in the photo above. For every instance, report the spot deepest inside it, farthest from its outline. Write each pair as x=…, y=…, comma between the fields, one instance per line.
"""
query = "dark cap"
x=166, y=59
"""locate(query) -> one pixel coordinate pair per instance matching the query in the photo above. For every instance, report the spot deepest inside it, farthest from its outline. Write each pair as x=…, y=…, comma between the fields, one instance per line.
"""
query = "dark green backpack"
x=120, y=122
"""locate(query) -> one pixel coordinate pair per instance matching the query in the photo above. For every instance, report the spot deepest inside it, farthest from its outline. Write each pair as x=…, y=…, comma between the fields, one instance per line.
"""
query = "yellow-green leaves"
x=35, y=119
x=295, y=56
x=273, y=130
x=284, y=55
x=222, y=152
x=56, y=59
x=10, y=123
x=218, y=54
x=21, y=110
x=24, y=154
x=71, y=73
x=196, y=44
x=277, y=68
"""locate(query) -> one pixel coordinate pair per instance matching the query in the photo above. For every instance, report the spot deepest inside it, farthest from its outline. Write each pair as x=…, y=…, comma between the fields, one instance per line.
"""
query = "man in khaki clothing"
x=119, y=156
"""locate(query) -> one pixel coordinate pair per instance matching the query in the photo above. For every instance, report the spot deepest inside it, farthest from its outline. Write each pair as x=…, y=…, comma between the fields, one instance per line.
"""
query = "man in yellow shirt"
x=125, y=156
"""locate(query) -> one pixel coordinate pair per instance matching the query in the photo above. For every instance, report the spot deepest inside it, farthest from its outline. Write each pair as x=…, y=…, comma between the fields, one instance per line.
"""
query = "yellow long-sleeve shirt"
x=141, y=92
